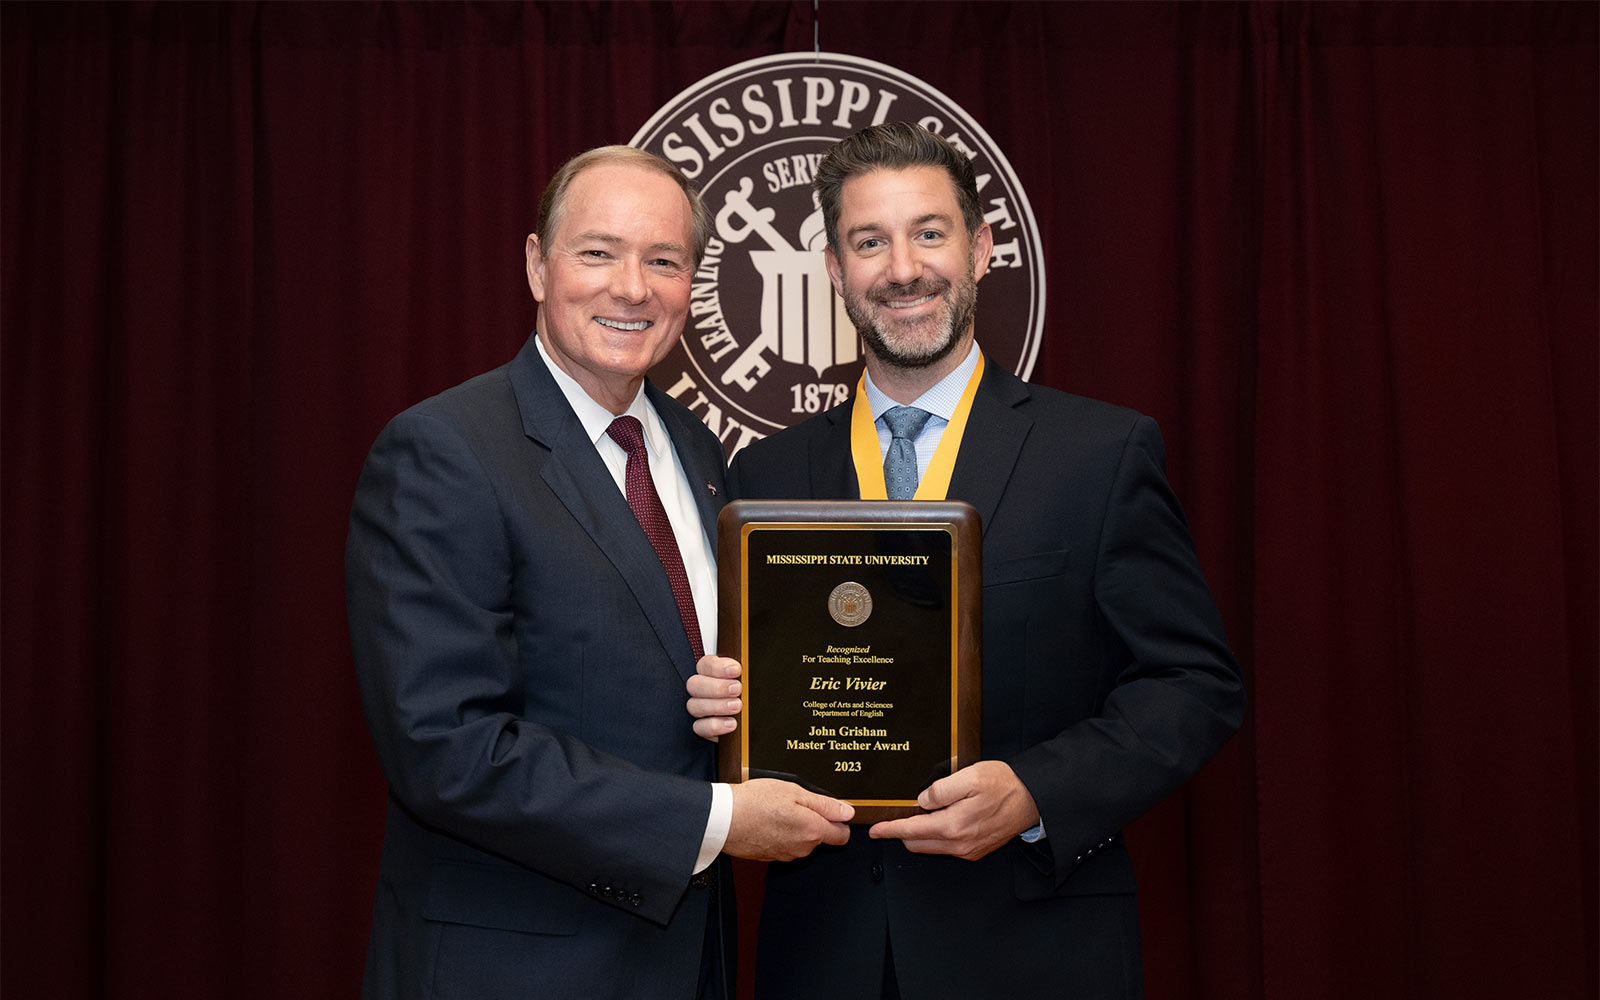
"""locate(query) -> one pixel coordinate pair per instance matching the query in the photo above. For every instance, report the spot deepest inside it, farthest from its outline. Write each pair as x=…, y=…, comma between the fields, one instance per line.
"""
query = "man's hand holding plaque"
x=714, y=696
x=969, y=813
x=966, y=814
x=780, y=821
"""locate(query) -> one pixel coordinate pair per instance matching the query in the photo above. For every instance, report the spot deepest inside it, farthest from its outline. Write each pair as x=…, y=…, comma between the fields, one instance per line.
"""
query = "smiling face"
x=907, y=270
x=612, y=281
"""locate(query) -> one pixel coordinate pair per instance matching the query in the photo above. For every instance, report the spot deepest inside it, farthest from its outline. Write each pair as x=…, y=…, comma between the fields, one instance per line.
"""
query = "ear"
x=982, y=250
x=535, y=268
x=835, y=272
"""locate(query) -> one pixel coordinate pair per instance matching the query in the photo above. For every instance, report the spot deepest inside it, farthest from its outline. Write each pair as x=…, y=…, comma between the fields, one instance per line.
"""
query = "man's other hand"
x=714, y=696
x=779, y=821
x=970, y=813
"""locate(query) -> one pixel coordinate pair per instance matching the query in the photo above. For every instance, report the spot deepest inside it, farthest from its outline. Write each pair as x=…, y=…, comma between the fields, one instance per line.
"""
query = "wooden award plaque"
x=858, y=626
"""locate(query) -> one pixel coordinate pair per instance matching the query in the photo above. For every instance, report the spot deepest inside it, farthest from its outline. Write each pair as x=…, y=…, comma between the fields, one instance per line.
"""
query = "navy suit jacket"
x=522, y=667
x=1107, y=681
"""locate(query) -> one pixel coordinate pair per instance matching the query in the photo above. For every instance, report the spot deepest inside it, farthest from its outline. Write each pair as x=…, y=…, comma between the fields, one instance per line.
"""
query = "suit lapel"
x=579, y=479
x=833, y=471
x=995, y=432
x=703, y=471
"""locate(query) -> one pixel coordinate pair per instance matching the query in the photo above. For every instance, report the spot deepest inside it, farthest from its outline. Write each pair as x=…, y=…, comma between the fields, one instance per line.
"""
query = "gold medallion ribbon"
x=868, y=455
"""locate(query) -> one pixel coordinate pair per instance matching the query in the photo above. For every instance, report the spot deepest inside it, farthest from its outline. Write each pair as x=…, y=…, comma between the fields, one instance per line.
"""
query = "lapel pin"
x=710, y=489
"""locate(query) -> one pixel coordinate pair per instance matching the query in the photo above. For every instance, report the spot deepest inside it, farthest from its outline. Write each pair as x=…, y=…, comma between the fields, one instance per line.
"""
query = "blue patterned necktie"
x=900, y=464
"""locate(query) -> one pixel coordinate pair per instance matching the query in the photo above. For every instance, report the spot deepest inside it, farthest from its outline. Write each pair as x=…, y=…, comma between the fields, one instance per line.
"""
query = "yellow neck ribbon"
x=868, y=454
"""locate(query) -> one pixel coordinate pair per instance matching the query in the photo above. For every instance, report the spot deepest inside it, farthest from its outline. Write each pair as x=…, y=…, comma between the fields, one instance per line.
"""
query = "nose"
x=905, y=266
x=628, y=282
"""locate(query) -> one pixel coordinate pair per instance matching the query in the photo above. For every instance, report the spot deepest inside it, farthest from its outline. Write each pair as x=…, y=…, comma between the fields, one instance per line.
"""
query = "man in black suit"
x=1107, y=680
x=530, y=581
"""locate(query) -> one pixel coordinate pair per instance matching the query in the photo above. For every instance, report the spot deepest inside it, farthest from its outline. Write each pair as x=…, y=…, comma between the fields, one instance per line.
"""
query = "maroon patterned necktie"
x=646, y=504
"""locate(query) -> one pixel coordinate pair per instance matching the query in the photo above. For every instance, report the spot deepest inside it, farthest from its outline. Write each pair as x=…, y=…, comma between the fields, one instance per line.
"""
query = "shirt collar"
x=940, y=400
x=596, y=419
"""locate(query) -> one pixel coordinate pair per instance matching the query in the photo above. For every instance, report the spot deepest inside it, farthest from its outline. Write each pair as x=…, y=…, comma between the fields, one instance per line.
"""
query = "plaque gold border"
x=741, y=518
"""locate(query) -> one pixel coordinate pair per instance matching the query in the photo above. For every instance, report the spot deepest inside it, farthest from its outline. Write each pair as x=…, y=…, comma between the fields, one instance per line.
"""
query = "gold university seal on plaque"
x=850, y=604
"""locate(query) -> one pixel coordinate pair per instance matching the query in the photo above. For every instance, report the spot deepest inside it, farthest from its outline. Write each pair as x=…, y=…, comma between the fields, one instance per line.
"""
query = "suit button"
x=636, y=899
x=877, y=872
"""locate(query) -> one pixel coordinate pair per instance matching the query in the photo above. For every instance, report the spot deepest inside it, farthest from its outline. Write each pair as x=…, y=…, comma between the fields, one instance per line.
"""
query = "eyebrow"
x=877, y=227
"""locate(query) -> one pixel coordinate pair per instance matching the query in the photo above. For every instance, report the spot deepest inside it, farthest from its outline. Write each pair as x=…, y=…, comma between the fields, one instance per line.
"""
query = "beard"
x=919, y=342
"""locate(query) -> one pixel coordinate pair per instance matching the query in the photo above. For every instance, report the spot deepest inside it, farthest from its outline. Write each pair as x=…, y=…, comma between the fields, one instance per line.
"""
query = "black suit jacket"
x=522, y=666
x=1107, y=681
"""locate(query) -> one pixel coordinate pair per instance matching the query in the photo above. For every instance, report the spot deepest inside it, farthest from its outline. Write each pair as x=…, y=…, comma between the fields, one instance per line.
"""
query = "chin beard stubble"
x=961, y=301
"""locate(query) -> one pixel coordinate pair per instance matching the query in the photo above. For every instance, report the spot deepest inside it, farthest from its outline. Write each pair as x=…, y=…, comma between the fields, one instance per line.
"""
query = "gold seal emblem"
x=850, y=604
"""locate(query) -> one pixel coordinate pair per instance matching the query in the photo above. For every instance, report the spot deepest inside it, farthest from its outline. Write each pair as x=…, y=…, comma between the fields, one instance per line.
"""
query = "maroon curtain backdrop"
x=1346, y=254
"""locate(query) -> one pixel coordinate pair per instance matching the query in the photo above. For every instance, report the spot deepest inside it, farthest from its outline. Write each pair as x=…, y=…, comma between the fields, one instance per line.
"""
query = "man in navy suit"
x=530, y=581
x=1107, y=680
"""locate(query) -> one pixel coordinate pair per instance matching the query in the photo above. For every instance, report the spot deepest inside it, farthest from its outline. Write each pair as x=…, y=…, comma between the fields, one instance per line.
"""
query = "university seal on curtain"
x=768, y=342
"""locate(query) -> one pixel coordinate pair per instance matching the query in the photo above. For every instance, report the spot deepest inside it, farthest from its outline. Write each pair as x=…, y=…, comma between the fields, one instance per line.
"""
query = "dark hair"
x=552, y=202
x=893, y=146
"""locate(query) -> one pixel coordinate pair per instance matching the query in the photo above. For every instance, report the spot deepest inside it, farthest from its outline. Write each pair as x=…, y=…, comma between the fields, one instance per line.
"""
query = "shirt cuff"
x=716, y=826
x=1032, y=835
